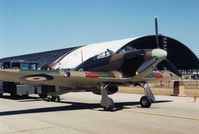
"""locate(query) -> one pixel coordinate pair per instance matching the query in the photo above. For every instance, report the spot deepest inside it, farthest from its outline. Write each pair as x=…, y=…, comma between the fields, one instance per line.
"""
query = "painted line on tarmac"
x=162, y=115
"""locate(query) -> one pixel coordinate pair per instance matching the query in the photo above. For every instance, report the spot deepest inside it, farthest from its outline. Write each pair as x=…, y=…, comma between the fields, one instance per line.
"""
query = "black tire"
x=43, y=96
x=1, y=94
x=145, y=102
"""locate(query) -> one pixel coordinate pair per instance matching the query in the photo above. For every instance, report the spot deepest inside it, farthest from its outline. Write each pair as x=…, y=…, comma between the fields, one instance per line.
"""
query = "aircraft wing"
x=61, y=78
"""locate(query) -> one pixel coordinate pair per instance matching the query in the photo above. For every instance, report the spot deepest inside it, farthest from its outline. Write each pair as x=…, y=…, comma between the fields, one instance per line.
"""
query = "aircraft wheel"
x=1, y=94
x=111, y=106
x=145, y=102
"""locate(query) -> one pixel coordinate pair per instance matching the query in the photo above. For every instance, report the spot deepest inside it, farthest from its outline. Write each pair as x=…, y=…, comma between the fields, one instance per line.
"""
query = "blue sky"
x=28, y=26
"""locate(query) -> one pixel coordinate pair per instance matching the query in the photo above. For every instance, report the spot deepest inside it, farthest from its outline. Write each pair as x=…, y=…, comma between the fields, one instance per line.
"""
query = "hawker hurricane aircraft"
x=101, y=74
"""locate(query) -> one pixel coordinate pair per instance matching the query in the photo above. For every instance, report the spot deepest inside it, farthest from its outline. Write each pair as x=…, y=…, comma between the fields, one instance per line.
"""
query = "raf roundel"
x=38, y=77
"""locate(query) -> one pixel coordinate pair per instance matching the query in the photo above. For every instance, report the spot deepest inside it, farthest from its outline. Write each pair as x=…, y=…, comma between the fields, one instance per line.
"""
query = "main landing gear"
x=149, y=98
x=106, y=102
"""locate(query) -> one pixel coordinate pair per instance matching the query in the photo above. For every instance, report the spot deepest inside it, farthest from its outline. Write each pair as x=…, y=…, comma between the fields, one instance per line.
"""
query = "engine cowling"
x=111, y=89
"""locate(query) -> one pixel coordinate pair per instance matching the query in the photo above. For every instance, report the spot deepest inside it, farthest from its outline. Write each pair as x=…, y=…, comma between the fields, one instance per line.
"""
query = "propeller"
x=148, y=62
x=168, y=64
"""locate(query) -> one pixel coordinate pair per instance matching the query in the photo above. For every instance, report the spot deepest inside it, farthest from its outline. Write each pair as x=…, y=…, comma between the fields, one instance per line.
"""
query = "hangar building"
x=178, y=53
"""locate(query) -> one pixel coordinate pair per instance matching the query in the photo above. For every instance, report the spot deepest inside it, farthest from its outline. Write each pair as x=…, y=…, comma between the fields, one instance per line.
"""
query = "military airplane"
x=101, y=74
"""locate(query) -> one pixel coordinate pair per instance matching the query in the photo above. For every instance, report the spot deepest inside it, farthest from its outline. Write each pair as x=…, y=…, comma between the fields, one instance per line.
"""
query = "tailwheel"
x=110, y=106
x=145, y=102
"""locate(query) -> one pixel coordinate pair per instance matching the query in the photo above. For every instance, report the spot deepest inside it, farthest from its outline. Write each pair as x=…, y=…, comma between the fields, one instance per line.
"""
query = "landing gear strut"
x=106, y=102
x=149, y=98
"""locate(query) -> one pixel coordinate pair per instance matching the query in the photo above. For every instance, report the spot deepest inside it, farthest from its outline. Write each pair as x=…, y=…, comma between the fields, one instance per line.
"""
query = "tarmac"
x=79, y=113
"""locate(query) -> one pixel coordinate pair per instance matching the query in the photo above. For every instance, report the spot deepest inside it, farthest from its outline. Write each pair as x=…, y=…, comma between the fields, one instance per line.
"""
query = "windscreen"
x=28, y=66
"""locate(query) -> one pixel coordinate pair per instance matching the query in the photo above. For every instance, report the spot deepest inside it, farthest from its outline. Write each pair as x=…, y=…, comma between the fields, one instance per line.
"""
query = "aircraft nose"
x=159, y=53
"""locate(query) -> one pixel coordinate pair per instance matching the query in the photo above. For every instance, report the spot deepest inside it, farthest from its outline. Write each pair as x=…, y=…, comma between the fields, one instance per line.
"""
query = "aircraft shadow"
x=73, y=106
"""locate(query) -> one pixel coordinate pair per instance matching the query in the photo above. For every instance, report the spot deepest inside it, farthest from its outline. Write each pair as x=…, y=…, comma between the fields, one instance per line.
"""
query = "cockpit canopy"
x=102, y=55
x=126, y=49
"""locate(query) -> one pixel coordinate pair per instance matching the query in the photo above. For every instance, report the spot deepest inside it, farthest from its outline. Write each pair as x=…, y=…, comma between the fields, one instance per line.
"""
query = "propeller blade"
x=171, y=67
x=156, y=32
x=146, y=64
